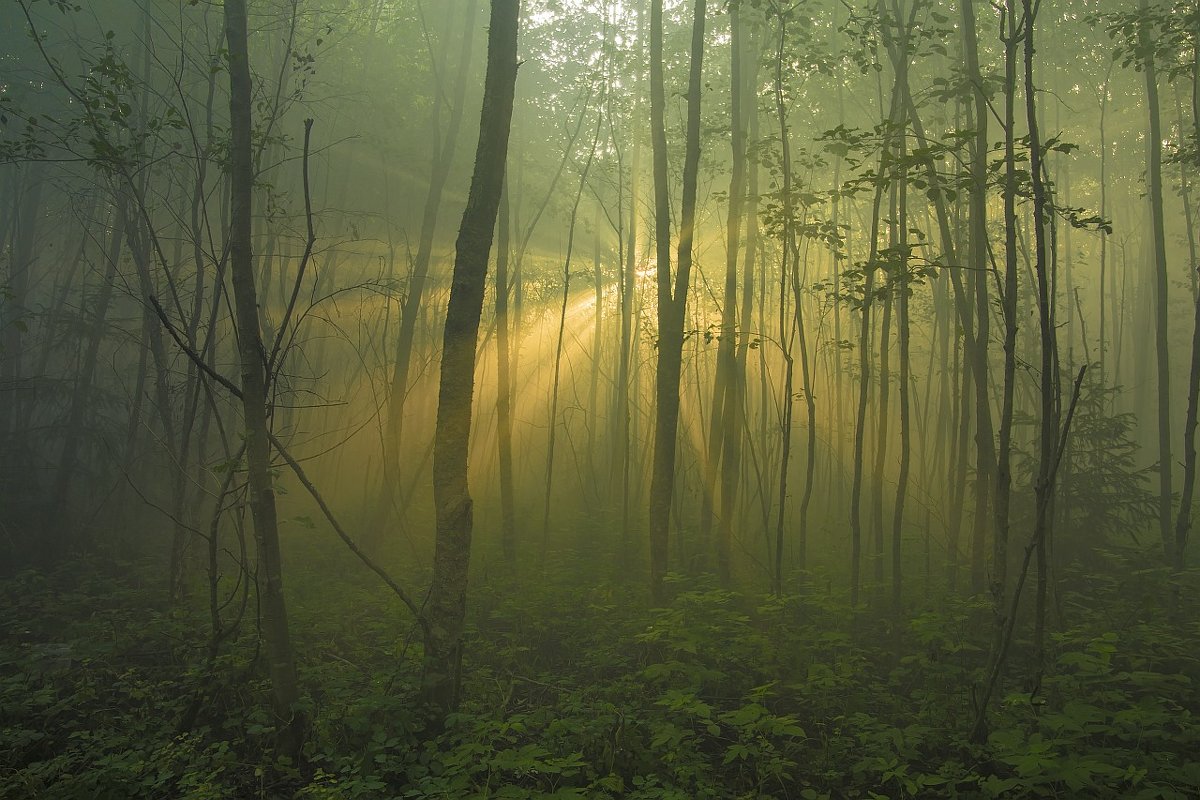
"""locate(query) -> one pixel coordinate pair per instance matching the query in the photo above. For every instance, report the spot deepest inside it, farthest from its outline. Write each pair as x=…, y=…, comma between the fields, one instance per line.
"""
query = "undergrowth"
x=580, y=691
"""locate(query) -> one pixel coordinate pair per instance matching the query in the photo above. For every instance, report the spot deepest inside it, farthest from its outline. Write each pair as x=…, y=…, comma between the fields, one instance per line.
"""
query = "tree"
x=255, y=404
x=1159, y=281
x=672, y=295
x=446, y=609
x=445, y=146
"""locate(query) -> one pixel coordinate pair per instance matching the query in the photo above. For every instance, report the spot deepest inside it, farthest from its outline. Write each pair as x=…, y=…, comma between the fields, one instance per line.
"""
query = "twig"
x=192, y=354
x=979, y=727
x=299, y=472
x=341, y=532
x=278, y=351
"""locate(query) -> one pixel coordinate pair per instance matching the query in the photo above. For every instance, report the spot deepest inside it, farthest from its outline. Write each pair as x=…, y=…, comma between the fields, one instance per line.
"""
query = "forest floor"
x=576, y=689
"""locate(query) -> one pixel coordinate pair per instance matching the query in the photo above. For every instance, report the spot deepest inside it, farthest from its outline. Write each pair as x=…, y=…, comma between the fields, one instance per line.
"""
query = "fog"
x=611, y=398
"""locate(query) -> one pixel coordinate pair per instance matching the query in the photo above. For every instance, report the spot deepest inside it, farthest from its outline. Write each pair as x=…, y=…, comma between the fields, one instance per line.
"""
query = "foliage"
x=717, y=695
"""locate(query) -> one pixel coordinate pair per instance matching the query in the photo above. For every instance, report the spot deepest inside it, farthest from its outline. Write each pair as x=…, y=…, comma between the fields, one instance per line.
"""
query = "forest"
x=652, y=399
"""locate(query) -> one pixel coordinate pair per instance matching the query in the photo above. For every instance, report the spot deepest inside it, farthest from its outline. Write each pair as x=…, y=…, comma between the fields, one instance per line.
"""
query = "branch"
x=277, y=352
x=979, y=727
x=300, y=474
x=345, y=537
x=192, y=354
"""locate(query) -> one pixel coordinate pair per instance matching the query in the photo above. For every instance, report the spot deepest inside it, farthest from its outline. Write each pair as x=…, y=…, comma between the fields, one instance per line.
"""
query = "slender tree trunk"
x=864, y=363
x=81, y=396
x=1050, y=443
x=1159, y=284
x=1011, y=270
x=1105, y=277
x=1183, y=521
x=411, y=308
x=1048, y=435
x=737, y=428
x=446, y=608
x=882, y=425
x=26, y=213
x=558, y=349
x=508, y=513
x=625, y=383
x=672, y=302
x=901, y=292
x=726, y=384
x=787, y=327
x=593, y=414
x=280, y=657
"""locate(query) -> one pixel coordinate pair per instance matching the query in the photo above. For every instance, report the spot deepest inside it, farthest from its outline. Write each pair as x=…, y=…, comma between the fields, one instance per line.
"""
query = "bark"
x=280, y=658
x=1159, y=286
x=1183, y=522
x=1043, y=266
x=787, y=268
x=1011, y=271
x=446, y=609
x=672, y=300
x=726, y=384
x=411, y=308
x=508, y=514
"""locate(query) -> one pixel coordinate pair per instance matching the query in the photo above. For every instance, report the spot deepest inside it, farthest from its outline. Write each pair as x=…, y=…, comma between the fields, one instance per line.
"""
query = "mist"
x=599, y=398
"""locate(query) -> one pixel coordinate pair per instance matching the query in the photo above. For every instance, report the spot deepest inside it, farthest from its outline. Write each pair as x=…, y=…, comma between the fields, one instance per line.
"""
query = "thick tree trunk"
x=446, y=608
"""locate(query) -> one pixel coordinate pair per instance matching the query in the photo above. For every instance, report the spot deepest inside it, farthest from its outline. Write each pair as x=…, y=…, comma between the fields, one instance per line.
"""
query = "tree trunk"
x=446, y=609
x=900, y=240
x=508, y=513
x=864, y=364
x=726, y=383
x=558, y=348
x=81, y=395
x=672, y=302
x=1183, y=522
x=280, y=658
x=1048, y=416
x=625, y=383
x=787, y=268
x=1159, y=286
x=411, y=308
x=979, y=177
